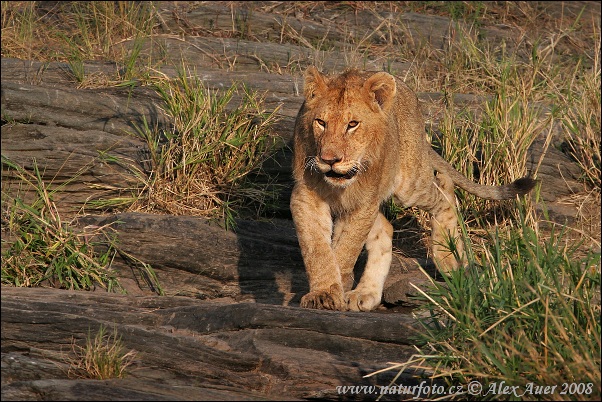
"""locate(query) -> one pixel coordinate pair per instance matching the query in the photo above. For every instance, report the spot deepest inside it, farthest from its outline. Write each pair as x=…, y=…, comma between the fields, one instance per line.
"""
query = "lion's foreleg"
x=350, y=233
x=313, y=223
x=368, y=293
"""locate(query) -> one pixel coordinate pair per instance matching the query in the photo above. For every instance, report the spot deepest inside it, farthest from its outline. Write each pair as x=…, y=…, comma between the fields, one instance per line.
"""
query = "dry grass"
x=65, y=31
x=202, y=164
x=102, y=357
x=79, y=32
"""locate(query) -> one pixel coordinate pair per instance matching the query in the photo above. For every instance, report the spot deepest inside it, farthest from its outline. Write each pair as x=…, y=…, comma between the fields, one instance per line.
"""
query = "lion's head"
x=345, y=118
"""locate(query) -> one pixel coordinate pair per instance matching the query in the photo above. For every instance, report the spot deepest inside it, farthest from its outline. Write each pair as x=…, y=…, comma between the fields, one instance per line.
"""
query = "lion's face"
x=341, y=140
x=345, y=116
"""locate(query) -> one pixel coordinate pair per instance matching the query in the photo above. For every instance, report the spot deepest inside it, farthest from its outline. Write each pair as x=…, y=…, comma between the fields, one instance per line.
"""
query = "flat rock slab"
x=191, y=349
x=260, y=261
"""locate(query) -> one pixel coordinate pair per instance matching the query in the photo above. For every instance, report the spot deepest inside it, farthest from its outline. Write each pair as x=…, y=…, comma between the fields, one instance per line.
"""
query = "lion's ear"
x=383, y=87
x=314, y=83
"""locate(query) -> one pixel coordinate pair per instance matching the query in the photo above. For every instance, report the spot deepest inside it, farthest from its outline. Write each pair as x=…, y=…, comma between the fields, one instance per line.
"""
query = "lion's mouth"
x=341, y=176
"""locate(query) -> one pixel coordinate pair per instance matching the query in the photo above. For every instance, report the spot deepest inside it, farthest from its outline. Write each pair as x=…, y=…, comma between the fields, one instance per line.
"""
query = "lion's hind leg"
x=447, y=246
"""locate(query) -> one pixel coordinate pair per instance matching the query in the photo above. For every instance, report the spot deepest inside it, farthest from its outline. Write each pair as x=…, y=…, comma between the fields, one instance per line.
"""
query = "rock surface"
x=189, y=349
x=229, y=326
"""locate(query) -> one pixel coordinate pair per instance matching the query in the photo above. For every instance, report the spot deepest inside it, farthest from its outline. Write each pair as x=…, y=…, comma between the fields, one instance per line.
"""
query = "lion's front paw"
x=325, y=299
x=362, y=300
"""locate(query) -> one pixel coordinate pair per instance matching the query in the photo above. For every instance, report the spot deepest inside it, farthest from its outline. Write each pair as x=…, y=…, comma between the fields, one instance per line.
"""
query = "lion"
x=359, y=139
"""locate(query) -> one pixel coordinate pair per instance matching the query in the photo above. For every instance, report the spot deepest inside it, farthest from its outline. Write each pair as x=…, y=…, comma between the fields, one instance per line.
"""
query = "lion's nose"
x=330, y=157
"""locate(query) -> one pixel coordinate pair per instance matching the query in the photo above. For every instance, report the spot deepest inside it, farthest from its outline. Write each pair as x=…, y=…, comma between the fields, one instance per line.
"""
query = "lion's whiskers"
x=311, y=164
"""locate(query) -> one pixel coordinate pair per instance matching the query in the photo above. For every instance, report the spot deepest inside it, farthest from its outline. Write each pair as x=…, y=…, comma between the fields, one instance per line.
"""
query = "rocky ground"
x=229, y=326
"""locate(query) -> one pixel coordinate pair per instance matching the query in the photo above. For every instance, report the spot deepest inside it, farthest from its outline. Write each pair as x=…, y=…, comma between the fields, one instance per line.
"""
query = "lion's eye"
x=352, y=124
x=321, y=123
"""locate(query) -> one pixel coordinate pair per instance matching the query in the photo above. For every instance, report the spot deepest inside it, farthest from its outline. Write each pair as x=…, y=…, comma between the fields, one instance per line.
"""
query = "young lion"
x=360, y=139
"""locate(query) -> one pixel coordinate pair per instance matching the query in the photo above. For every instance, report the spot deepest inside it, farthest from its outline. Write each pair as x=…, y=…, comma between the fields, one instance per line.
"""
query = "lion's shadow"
x=271, y=268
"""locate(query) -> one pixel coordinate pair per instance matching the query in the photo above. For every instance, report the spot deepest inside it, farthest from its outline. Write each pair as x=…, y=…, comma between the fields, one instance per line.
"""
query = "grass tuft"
x=101, y=358
x=202, y=164
x=43, y=250
x=39, y=248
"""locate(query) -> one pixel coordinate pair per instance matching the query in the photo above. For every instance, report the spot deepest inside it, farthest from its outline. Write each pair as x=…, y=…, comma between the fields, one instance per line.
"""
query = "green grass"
x=467, y=11
x=41, y=249
x=528, y=92
x=201, y=164
x=45, y=251
x=525, y=310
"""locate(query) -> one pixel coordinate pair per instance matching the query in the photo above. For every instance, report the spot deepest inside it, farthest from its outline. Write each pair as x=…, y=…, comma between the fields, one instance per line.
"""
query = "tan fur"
x=360, y=139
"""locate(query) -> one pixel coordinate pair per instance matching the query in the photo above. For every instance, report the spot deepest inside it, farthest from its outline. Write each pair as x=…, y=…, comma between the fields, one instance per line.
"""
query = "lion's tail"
x=508, y=191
